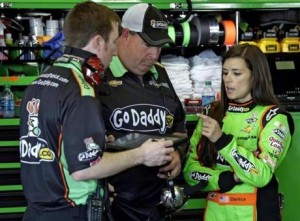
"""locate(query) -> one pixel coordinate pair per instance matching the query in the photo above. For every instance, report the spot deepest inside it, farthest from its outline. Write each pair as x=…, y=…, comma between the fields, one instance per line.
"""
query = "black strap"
x=196, y=188
x=103, y=183
x=78, y=52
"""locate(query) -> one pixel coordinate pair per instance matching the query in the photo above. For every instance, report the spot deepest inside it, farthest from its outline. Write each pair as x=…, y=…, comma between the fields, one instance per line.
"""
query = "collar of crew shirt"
x=118, y=69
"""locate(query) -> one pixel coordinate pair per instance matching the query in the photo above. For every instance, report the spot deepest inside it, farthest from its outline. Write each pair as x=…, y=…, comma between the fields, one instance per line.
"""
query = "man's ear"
x=99, y=42
x=125, y=32
x=95, y=44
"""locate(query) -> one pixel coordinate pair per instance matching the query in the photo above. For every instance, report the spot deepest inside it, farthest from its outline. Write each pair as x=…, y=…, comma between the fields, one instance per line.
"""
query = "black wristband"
x=226, y=181
x=223, y=141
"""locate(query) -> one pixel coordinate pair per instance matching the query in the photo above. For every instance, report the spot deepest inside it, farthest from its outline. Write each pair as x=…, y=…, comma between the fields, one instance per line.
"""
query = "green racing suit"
x=255, y=141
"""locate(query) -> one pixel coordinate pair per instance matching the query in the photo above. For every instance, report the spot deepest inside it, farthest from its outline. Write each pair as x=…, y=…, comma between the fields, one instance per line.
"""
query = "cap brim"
x=156, y=38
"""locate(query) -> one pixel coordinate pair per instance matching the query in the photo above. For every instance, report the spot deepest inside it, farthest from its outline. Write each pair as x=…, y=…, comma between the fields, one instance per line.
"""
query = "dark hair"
x=262, y=88
x=206, y=151
x=86, y=20
x=262, y=94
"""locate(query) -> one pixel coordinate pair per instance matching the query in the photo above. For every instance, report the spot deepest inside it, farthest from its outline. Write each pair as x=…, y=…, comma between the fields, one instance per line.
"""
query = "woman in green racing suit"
x=240, y=141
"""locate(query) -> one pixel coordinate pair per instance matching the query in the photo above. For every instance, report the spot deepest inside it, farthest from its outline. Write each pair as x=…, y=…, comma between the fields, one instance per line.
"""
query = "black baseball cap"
x=149, y=22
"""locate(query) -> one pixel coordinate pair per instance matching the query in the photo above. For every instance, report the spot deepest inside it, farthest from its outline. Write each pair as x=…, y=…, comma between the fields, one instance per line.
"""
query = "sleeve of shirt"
x=83, y=133
x=257, y=168
x=193, y=171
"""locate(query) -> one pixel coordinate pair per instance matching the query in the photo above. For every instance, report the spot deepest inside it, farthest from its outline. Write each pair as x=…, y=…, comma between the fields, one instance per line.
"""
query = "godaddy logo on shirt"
x=238, y=109
x=244, y=163
x=142, y=117
x=33, y=148
x=196, y=175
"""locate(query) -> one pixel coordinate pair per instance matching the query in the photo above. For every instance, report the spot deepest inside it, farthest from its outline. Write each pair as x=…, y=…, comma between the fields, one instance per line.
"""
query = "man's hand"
x=112, y=193
x=174, y=167
x=156, y=152
x=109, y=138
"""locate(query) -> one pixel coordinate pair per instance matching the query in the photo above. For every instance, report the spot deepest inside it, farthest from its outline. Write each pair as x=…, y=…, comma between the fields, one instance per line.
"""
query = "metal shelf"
x=17, y=80
x=165, y=4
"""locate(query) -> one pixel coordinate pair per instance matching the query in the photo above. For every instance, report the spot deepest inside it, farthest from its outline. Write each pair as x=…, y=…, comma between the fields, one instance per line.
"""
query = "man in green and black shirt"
x=139, y=97
x=62, y=132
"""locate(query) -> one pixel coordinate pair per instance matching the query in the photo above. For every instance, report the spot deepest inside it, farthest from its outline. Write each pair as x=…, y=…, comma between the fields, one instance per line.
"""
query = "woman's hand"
x=210, y=128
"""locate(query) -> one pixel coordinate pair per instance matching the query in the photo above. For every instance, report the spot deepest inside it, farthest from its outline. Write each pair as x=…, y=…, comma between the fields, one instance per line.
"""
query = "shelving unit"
x=12, y=201
x=165, y=4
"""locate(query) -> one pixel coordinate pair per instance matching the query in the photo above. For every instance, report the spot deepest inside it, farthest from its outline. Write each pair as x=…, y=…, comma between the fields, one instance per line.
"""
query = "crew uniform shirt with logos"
x=254, y=143
x=62, y=131
x=151, y=107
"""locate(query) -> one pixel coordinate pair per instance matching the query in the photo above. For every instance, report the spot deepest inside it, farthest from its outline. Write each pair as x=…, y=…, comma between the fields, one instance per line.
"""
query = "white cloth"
x=178, y=70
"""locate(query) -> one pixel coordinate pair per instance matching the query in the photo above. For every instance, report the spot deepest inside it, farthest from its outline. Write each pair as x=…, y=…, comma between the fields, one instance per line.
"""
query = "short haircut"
x=86, y=20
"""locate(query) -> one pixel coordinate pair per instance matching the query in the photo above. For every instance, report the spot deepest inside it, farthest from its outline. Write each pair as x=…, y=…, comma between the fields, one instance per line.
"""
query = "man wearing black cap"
x=139, y=97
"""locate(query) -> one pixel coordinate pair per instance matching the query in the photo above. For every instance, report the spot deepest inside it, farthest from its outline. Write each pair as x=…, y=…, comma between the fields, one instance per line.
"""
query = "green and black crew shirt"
x=151, y=107
x=61, y=131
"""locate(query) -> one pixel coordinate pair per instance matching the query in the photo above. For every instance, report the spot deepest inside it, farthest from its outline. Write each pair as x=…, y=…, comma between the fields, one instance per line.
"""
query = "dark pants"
x=70, y=214
x=122, y=211
x=268, y=206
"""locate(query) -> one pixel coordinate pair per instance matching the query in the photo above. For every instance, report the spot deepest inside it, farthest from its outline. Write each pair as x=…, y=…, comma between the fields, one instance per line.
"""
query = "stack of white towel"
x=188, y=76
